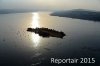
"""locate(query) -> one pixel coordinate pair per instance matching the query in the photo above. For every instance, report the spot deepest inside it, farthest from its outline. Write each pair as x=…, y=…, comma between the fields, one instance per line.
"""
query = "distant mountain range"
x=79, y=14
x=8, y=11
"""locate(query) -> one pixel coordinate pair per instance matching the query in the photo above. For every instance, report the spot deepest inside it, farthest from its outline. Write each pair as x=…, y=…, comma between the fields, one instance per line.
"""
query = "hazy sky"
x=49, y=4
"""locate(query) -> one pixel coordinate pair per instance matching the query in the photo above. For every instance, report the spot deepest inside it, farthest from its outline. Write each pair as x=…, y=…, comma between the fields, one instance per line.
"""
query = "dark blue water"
x=21, y=48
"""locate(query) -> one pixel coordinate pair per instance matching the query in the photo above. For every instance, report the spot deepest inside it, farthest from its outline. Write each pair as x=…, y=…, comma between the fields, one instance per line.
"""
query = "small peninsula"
x=79, y=14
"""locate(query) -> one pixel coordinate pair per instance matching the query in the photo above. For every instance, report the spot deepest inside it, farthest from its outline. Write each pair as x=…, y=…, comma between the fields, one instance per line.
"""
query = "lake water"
x=21, y=48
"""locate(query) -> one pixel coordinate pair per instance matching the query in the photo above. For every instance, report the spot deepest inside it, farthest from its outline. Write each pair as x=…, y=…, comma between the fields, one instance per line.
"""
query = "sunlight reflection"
x=35, y=23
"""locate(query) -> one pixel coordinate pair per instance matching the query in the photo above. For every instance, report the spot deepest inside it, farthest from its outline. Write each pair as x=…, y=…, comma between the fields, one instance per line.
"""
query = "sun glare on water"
x=35, y=23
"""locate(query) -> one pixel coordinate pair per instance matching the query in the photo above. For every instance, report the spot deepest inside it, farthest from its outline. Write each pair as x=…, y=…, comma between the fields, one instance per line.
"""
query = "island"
x=46, y=32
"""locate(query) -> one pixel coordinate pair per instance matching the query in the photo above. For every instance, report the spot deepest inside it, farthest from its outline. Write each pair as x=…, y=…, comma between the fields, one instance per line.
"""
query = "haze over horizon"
x=47, y=5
